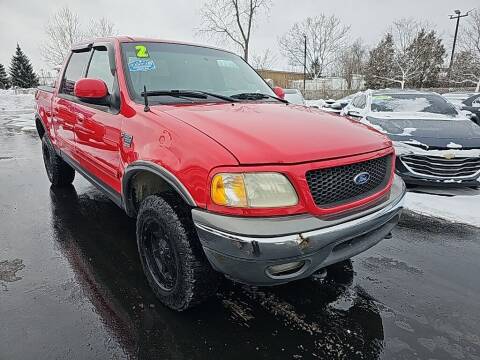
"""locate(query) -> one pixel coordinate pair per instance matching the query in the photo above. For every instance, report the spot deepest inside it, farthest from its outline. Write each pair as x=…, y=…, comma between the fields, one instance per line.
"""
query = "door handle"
x=81, y=118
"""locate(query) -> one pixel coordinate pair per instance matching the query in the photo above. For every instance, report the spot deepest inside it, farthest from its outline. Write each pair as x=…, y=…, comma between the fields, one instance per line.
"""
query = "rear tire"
x=172, y=258
x=58, y=171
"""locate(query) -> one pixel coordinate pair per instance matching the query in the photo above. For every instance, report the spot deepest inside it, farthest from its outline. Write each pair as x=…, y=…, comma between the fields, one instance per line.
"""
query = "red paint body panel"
x=273, y=133
x=194, y=142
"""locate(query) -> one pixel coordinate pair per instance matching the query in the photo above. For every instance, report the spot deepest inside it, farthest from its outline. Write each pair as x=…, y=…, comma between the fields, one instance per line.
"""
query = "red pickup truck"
x=221, y=173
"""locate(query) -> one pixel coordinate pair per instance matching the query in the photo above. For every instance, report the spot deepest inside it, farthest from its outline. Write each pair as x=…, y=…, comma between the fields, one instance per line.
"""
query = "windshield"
x=428, y=103
x=165, y=67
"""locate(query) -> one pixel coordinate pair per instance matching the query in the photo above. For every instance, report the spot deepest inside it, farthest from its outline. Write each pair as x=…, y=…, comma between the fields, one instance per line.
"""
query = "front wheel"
x=171, y=255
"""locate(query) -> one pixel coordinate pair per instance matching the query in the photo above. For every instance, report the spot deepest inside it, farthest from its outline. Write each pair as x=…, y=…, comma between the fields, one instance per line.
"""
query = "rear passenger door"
x=63, y=107
x=97, y=130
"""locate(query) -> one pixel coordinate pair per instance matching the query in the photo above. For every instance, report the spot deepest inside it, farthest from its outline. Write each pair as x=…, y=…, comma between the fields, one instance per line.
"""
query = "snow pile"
x=316, y=103
x=456, y=205
x=17, y=110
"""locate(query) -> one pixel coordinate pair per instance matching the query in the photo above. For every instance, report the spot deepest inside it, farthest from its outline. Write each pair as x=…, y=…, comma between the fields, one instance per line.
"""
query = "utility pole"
x=458, y=15
x=304, y=64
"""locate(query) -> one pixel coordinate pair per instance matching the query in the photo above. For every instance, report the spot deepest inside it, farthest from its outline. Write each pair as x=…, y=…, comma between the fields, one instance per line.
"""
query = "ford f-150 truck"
x=221, y=173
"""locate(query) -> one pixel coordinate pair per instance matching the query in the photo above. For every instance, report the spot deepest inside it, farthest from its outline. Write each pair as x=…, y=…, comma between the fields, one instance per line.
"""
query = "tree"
x=352, y=61
x=21, y=71
x=466, y=69
x=101, y=28
x=64, y=29
x=264, y=61
x=326, y=37
x=232, y=20
x=426, y=53
x=379, y=68
x=4, y=81
x=415, y=59
x=470, y=43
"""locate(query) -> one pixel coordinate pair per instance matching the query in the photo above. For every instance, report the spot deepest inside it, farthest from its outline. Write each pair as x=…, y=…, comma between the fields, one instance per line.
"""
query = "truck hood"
x=267, y=133
x=433, y=132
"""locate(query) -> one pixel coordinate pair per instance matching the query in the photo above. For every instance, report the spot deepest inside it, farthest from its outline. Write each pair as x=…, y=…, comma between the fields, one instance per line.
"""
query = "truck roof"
x=127, y=39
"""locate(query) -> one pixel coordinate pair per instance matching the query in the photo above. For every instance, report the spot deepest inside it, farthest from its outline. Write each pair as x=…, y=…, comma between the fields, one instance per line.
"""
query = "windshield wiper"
x=256, y=96
x=195, y=94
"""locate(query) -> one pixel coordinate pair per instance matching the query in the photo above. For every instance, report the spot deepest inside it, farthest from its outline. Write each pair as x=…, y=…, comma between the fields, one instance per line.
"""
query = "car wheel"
x=58, y=171
x=172, y=258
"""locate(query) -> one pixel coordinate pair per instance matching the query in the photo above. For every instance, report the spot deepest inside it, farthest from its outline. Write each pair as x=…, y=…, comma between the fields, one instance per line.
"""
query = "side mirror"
x=279, y=92
x=354, y=113
x=93, y=91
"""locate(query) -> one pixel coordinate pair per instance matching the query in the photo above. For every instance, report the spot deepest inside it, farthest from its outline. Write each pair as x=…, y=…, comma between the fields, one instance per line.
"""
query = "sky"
x=24, y=22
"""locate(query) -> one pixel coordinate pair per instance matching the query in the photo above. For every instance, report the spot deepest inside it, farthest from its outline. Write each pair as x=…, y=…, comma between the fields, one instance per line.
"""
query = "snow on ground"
x=456, y=205
x=461, y=205
x=16, y=110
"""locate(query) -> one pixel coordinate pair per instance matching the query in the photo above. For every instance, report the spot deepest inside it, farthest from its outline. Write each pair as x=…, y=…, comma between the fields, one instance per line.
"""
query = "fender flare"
x=38, y=119
x=157, y=170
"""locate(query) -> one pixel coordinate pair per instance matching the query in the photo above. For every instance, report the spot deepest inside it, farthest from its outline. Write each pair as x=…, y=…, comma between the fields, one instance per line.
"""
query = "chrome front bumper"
x=245, y=249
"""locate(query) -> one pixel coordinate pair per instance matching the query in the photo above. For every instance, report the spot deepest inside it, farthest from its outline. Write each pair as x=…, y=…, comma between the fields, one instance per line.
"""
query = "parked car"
x=434, y=142
x=472, y=105
x=221, y=174
x=338, y=105
x=294, y=96
x=458, y=97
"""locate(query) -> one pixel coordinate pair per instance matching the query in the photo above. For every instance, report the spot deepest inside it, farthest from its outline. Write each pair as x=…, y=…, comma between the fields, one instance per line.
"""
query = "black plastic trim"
x=111, y=193
x=158, y=170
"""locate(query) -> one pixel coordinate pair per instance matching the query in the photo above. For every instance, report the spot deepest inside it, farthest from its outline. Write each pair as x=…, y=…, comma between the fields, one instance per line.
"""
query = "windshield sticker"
x=142, y=51
x=381, y=97
x=136, y=65
x=227, y=64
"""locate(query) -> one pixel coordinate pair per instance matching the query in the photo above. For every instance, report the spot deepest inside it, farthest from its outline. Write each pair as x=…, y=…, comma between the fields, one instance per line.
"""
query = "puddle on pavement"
x=9, y=269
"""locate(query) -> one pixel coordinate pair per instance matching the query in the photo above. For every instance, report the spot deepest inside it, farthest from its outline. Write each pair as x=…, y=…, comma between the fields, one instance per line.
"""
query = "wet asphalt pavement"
x=71, y=287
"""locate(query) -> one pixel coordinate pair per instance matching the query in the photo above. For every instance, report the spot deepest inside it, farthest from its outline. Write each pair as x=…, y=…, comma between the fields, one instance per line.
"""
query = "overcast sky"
x=24, y=22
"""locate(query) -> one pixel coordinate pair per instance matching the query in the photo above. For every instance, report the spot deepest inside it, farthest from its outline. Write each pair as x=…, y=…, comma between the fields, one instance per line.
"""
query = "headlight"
x=253, y=190
x=402, y=149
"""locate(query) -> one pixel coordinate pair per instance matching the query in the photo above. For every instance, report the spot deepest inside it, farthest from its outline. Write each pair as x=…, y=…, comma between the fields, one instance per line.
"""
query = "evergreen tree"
x=426, y=53
x=466, y=70
x=4, y=82
x=380, y=64
x=21, y=71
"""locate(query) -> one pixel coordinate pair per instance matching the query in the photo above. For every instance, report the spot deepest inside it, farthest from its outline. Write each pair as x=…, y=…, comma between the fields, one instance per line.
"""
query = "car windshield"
x=166, y=67
x=428, y=103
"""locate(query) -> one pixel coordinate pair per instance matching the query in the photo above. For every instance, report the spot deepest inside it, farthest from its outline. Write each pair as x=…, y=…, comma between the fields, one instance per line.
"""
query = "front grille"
x=335, y=186
x=440, y=167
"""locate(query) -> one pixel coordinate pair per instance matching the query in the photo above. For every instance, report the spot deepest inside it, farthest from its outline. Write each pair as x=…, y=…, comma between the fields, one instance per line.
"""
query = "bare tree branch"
x=232, y=21
x=101, y=28
x=264, y=61
x=325, y=39
x=63, y=30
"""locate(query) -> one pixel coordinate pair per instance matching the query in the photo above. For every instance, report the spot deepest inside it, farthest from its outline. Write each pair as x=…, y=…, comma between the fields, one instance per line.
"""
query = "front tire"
x=58, y=171
x=172, y=258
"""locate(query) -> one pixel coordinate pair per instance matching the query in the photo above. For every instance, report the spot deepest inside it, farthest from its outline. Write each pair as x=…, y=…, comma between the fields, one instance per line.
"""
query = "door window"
x=76, y=68
x=100, y=68
x=360, y=101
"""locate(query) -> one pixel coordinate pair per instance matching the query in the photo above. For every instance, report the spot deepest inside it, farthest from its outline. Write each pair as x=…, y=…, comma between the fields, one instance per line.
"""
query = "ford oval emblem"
x=361, y=178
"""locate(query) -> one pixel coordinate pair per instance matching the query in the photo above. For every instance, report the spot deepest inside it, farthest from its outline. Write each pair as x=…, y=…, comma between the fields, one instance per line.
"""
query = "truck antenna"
x=145, y=98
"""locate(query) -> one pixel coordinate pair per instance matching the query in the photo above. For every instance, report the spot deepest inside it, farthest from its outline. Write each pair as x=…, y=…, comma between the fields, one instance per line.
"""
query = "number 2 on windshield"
x=141, y=51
